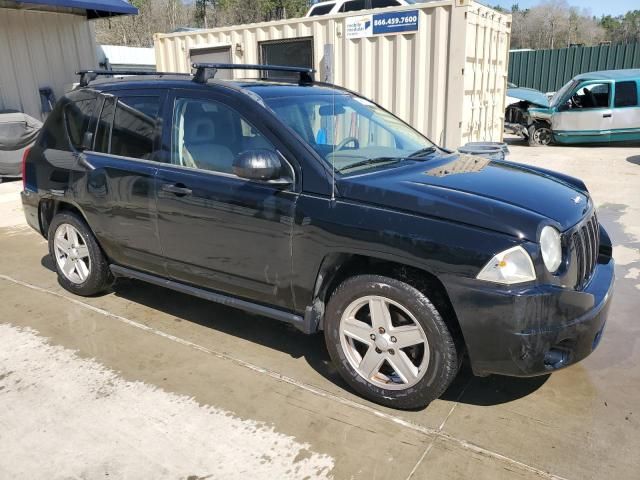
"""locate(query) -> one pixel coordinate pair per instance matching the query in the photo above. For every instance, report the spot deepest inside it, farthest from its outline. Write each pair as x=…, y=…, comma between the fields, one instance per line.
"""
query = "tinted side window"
x=134, y=126
x=321, y=9
x=103, y=132
x=626, y=94
x=77, y=116
x=209, y=135
x=385, y=3
x=352, y=6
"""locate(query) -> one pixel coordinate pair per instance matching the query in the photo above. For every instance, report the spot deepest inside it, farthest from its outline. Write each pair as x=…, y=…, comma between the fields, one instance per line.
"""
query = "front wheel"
x=389, y=342
x=540, y=134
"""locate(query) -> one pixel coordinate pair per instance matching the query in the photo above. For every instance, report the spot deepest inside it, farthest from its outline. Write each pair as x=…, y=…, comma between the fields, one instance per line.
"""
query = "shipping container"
x=440, y=66
x=41, y=50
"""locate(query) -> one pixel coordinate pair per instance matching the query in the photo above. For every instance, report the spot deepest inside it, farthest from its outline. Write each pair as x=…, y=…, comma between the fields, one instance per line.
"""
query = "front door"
x=217, y=230
x=586, y=116
x=118, y=197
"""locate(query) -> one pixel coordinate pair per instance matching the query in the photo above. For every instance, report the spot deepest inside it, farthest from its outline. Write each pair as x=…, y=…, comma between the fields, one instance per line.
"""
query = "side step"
x=303, y=324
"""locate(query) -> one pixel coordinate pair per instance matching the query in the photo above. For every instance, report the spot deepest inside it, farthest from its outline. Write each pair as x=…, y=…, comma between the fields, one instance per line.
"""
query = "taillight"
x=24, y=168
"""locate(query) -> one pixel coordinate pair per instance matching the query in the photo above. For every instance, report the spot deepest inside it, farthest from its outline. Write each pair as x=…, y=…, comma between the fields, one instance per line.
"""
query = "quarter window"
x=626, y=94
x=321, y=9
x=209, y=135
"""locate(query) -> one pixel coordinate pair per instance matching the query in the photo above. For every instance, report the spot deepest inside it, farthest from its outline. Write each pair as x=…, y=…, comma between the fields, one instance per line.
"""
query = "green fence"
x=548, y=70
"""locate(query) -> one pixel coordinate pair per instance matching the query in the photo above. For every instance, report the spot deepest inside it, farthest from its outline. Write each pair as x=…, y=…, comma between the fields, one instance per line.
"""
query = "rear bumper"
x=531, y=331
x=30, y=202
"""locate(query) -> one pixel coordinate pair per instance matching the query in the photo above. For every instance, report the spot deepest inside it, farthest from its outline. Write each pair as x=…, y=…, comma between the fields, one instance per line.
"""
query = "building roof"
x=90, y=8
x=628, y=74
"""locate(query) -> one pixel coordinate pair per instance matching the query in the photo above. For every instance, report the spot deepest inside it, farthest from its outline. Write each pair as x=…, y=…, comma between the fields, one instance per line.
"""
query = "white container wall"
x=41, y=49
x=447, y=79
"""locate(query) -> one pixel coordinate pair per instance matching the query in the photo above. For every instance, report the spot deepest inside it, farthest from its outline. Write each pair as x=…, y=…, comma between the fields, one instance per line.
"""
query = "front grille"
x=585, y=242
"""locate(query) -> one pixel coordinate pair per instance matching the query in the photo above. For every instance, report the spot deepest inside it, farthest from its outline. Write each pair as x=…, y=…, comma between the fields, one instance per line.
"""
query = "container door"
x=586, y=116
x=213, y=55
x=626, y=112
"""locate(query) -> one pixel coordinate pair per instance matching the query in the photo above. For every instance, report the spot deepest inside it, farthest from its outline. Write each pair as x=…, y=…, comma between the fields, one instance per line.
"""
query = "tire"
x=408, y=308
x=539, y=135
x=97, y=276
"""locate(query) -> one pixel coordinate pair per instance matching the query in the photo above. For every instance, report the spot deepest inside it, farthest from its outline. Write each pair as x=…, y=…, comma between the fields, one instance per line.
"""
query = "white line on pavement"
x=283, y=378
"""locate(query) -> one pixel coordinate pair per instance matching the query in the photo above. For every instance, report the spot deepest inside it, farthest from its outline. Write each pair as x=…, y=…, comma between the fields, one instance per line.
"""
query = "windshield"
x=560, y=94
x=348, y=131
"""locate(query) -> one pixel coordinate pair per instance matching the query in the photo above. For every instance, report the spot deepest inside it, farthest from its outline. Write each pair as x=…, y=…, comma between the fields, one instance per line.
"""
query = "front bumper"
x=532, y=330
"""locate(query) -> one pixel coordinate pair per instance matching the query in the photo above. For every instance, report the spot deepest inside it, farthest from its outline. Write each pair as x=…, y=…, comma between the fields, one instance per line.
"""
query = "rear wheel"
x=389, y=342
x=81, y=266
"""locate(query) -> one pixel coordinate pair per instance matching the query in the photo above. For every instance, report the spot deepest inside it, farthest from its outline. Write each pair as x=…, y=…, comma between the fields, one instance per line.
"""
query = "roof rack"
x=87, y=76
x=206, y=71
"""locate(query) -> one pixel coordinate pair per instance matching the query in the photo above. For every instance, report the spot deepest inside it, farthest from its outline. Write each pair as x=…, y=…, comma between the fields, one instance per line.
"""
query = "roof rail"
x=87, y=76
x=206, y=71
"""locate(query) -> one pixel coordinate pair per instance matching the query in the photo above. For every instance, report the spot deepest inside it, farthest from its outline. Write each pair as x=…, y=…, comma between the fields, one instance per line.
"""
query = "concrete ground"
x=147, y=383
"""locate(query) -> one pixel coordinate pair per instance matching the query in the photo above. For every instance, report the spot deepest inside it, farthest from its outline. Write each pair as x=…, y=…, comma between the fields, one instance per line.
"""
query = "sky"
x=597, y=7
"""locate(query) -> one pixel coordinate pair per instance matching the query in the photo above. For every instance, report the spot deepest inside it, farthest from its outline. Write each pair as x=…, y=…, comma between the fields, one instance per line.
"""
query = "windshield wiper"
x=422, y=152
x=370, y=161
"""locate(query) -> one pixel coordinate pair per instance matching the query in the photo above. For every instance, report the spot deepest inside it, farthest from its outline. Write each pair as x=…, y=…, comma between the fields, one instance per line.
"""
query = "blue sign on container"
x=395, y=22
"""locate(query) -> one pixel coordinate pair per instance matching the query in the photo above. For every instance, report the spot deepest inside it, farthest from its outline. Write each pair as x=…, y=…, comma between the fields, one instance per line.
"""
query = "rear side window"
x=134, y=126
x=127, y=126
x=384, y=3
x=626, y=94
x=321, y=9
x=77, y=117
x=103, y=132
x=352, y=6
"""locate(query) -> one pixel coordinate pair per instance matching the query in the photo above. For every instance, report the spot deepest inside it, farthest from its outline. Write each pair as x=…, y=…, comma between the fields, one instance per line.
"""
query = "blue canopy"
x=93, y=8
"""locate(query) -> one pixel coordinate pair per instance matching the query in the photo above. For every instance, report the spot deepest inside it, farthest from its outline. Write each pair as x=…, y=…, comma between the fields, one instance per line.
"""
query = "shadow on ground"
x=635, y=159
x=285, y=338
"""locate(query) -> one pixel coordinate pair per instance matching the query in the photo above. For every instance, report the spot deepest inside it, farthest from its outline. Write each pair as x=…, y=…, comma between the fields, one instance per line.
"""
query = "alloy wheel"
x=542, y=136
x=72, y=253
x=384, y=342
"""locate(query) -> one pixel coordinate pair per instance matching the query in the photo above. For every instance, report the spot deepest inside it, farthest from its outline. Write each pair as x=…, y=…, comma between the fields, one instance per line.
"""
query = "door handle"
x=177, y=189
x=606, y=115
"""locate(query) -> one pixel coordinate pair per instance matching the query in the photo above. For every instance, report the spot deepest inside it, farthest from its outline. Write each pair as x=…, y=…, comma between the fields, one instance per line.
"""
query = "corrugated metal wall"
x=447, y=79
x=548, y=70
x=41, y=49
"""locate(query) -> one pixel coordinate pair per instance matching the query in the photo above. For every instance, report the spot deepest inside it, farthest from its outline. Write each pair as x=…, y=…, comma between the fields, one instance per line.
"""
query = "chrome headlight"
x=551, y=248
x=511, y=266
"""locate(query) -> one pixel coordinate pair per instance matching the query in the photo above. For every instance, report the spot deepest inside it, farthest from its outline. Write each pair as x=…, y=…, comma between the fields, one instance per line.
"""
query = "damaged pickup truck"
x=596, y=107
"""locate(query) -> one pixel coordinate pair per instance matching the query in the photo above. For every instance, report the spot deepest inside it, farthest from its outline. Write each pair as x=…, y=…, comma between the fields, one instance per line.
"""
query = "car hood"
x=498, y=195
x=530, y=95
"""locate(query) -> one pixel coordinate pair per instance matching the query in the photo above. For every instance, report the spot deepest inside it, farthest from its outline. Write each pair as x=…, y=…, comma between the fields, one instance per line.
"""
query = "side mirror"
x=565, y=106
x=260, y=165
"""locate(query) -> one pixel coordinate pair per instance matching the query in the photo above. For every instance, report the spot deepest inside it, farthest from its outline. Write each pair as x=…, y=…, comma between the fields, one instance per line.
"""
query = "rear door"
x=117, y=193
x=217, y=230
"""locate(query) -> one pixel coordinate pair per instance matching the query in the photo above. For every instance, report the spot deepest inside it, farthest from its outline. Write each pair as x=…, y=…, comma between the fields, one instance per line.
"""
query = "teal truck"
x=595, y=107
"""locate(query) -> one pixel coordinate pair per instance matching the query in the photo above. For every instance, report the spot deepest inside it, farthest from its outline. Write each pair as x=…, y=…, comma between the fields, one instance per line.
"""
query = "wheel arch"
x=337, y=267
x=48, y=208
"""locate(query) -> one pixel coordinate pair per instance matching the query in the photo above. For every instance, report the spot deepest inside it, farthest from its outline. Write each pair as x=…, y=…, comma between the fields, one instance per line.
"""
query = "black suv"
x=310, y=204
